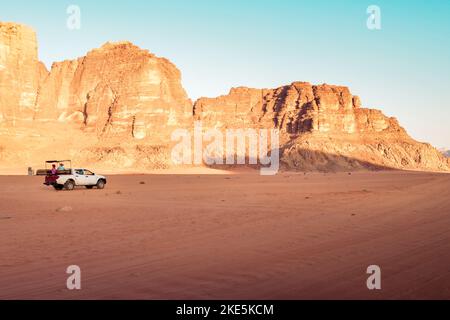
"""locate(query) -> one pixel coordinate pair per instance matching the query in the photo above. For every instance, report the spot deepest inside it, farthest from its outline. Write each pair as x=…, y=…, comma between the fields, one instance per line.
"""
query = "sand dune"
x=291, y=236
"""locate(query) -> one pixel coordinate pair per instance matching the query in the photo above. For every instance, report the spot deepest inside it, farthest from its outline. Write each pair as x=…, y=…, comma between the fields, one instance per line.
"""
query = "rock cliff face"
x=322, y=128
x=20, y=73
x=118, y=106
x=295, y=109
x=117, y=90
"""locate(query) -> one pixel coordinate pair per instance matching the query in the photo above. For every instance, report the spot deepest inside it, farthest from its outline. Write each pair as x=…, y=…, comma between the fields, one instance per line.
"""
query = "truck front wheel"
x=69, y=185
x=100, y=184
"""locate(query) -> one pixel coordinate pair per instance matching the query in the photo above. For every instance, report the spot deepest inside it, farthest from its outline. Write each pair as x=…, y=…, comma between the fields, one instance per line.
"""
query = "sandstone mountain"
x=116, y=108
x=20, y=73
x=322, y=127
x=118, y=89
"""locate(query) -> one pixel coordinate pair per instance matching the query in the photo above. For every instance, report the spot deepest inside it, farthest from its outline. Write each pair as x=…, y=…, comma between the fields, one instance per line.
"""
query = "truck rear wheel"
x=69, y=185
x=100, y=184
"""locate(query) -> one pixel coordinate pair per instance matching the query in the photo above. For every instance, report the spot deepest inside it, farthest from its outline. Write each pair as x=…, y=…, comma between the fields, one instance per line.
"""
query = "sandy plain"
x=228, y=236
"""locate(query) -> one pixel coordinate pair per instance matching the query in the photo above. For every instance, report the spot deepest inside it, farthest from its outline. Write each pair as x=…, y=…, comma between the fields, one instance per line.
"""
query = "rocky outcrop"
x=322, y=128
x=332, y=153
x=20, y=73
x=295, y=109
x=117, y=90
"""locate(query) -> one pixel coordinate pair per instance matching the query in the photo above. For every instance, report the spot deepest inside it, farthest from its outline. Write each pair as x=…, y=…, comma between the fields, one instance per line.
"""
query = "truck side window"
x=80, y=172
x=88, y=173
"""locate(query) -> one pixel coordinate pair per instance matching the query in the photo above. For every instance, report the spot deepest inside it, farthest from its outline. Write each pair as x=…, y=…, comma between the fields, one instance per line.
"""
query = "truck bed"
x=44, y=172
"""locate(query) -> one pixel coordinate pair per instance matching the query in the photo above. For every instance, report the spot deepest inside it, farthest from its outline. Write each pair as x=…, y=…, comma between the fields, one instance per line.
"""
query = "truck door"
x=80, y=179
x=91, y=179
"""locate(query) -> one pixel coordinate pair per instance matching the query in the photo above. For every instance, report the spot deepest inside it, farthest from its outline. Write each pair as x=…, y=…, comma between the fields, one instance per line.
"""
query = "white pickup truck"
x=68, y=179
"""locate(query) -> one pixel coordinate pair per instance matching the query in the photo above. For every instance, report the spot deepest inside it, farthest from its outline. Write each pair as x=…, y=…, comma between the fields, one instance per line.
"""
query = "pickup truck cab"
x=69, y=179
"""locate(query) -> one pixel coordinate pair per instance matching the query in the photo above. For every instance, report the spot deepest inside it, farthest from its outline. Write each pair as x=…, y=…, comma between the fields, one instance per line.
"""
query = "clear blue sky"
x=403, y=69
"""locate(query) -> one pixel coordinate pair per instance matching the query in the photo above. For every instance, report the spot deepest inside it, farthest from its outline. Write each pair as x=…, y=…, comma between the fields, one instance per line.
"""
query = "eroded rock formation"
x=117, y=90
x=294, y=109
x=118, y=106
x=20, y=73
x=322, y=127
